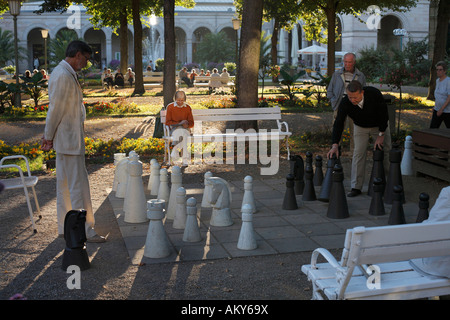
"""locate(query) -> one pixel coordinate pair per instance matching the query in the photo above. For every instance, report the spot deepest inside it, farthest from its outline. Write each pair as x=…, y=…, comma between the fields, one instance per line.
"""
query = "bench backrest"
x=232, y=114
x=396, y=243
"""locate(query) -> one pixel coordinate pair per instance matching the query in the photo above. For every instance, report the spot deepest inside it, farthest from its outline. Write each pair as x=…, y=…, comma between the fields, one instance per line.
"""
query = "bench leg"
x=287, y=148
x=36, y=202
x=30, y=210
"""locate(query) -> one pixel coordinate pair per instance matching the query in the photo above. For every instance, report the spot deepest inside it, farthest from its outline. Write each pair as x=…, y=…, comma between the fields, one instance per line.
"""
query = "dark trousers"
x=437, y=121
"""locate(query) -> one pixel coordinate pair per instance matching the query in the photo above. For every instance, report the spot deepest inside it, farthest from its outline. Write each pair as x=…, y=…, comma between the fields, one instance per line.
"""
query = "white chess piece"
x=179, y=221
x=207, y=191
x=117, y=158
x=247, y=239
x=164, y=191
x=176, y=180
x=135, y=204
x=153, y=168
x=248, y=194
x=157, y=244
x=220, y=199
x=192, y=230
x=156, y=180
x=406, y=164
x=122, y=177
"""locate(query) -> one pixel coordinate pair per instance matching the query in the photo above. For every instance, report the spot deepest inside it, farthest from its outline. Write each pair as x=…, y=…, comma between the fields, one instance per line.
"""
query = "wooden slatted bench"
x=431, y=152
x=280, y=132
x=389, y=250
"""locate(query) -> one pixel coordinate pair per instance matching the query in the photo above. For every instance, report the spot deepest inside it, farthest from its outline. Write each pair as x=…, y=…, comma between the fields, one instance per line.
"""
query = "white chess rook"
x=176, y=179
x=117, y=158
x=164, y=191
x=248, y=194
x=207, y=191
x=157, y=244
x=406, y=164
x=153, y=168
x=192, y=230
x=155, y=179
x=247, y=239
x=135, y=208
x=220, y=199
x=179, y=221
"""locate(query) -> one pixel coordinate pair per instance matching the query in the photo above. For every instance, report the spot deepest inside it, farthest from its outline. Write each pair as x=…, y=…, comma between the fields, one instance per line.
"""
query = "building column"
x=188, y=49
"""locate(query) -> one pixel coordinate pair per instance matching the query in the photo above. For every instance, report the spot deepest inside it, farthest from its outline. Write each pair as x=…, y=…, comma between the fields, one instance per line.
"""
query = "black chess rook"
x=289, y=202
x=397, y=215
x=324, y=194
x=309, y=193
x=318, y=174
x=337, y=207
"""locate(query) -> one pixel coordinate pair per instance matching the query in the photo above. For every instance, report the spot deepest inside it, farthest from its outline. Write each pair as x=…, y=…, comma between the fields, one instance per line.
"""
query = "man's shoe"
x=354, y=193
x=96, y=239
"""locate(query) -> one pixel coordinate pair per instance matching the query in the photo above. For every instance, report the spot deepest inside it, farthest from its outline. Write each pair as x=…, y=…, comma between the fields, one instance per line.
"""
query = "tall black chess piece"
x=376, y=204
x=298, y=171
x=318, y=174
x=424, y=204
x=324, y=194
x=309, y=193
x=338, y=207
x=289, y=202
x=394, y=176
x=397, y=215
x=75, y=236
x=377, y=171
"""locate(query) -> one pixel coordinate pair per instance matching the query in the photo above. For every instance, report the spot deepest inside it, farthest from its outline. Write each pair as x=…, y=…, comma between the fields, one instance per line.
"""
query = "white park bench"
x=280, y=132
x=387, y=251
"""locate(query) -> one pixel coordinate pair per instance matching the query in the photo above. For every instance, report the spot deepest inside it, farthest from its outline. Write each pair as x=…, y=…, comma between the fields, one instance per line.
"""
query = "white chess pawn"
x=176, y=180
x=406, y=164
x=247, y=239
x=157, y=244
x=117, y=158
x=207, y=191
x=164, y=191
x=156, y=180
x=153, y=168
x=248, y=194
x=132, y=156
x=179, y=221
x=135, y=208
x=192, y=230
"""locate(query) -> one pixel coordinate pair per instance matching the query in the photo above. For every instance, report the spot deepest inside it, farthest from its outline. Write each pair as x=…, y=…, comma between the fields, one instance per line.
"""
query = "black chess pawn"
x=424, y=204
x=309, y=160
x=376, y=204
x=324, y=194
x=397, y=215
x=309, y=193
x=377, y=170
x=318, y=174
x=337, y=207
x=289, y=202
x=298, y=170
x=395, y=175
x=75, y=236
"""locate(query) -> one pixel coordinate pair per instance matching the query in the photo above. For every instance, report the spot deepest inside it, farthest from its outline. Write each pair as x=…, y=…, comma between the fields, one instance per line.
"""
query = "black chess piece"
x=75, y=236
x=289, y=202
x=424, y=204
x=395, y=175
x=298, y=170
x=324, y=194
x=309, y=193
x=397, y=215
x=377, y=170
x=337, y=207
x=376, y=204
x=318, y=174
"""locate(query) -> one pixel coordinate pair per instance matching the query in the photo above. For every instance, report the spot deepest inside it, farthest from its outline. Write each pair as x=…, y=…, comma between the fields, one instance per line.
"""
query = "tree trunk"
x=274, y=50
x=440, y=43
x=123, y=36
x=138, y=67
x=248, y=63
x=169, y=53
x=330, y=12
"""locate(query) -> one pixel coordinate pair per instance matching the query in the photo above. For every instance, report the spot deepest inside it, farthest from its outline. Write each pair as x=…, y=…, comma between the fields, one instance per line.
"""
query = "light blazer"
x=66, y=113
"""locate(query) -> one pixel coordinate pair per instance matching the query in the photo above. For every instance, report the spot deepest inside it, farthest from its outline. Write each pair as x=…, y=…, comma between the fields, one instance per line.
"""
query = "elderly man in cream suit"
x=64, y=131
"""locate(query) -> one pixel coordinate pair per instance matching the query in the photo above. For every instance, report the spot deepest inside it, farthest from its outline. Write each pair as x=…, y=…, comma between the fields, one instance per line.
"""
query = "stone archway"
x=180, y=46
x=97, y=40
x=199, y=35
x=385, y=35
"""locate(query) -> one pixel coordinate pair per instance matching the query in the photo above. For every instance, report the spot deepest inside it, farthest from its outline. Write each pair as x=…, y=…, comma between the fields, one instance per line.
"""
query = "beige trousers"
x=361, y=136
x=72, y=190
x=348, y=125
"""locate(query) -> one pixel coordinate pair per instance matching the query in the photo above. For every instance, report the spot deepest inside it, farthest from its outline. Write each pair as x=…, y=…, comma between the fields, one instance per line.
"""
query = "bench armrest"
x=15, y=166
x=327, y=255
x=281, y=124
x=7, y=166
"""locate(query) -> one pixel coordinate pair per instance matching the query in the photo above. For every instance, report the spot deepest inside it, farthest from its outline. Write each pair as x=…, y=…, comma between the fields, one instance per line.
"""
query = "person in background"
x=183, y=74
x=129, y=76
x=441, y=110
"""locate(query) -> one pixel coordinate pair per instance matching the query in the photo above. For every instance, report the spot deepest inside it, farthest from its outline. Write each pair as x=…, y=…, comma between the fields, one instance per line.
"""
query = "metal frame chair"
x=22, y=182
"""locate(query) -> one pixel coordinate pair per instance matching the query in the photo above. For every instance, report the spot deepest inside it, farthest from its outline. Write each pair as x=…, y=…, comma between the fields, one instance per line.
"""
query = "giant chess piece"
x=192, y=230
x=248, y=194
x=75, y=236
x=220, y=199
x=377, y=171
x=135, y=203
x=289, y=201
x=376, y=204
x=122, y=177
x=337, y=207
x=298, y=171
x=247, y=240
x=397, y=215
x=318, y=174
x=164, y=190
x=157, y=244
x=325, y=189
x=153, y=168
x=176, y=179
x=207, y=190
x=309, y=160
x=309, y=193
x=179, y=221
x=155, y=178
x=395, y=176
x=406, y=164
x=117, y=158
x=424, y=204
